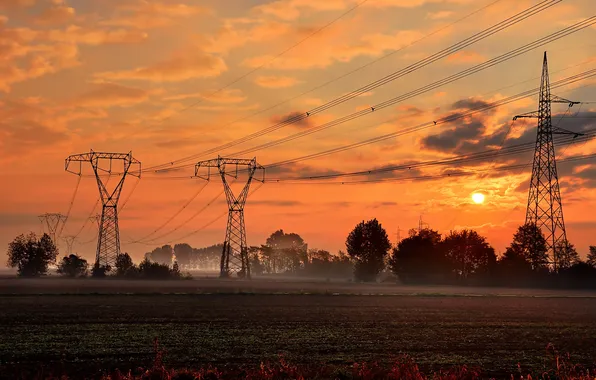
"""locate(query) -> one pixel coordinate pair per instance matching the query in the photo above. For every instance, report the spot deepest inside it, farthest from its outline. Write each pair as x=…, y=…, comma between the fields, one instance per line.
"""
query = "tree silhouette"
x=124, y=265
x=592, y=256
x=566, y=255
x=367, y=245
x=514, y=269
x=419, y=258
x=73, y=266
x=529, y=243
x=183, y=254
x=288, y=252
x=162, y=255
x=30, y=255
x=468, y=253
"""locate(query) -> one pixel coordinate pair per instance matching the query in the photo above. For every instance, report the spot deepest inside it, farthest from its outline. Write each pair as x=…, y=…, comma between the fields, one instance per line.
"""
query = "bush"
x=73, y=266
x=150, y=270
x=100, y=271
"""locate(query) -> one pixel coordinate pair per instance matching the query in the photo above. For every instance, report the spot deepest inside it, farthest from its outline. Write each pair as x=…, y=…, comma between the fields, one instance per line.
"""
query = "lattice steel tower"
x=108, y=242
x=234, y=257
x=545, y=209
x=53, y=221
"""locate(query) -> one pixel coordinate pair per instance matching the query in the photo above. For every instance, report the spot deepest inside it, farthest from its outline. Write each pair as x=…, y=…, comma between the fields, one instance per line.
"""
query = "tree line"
x=424, y=257
x=465, y=257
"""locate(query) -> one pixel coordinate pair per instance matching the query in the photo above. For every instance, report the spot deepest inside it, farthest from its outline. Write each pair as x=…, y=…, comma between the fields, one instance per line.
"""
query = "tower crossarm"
x=558, y=99
x=527, y=115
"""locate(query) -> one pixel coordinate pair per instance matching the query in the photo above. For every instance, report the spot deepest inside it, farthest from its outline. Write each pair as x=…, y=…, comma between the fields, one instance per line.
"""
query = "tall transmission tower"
x=545, y=209
x=234, y=257
x=108, y=242
x=52, y=222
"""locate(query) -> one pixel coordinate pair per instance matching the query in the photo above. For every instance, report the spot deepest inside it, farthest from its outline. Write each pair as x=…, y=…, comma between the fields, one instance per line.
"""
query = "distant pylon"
x=52, y=221
x=69, y=240
x=234, y=257
x=108, y=242
x=545, y=208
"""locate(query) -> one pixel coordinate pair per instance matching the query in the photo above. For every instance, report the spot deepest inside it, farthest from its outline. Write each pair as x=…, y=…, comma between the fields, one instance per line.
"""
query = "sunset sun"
x=478, y=198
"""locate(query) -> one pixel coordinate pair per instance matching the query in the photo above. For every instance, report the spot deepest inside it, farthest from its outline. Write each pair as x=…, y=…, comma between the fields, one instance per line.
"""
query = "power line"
x=456, y=160
x=184, y=206
x=429, y=124
x=468, y=72
x=203, y=226
x=438, y=176
x=247, y=74
x=519, y=17
x=482, y=108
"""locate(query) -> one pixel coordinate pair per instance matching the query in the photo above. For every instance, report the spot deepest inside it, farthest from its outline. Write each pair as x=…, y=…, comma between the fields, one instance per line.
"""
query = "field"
x=86, y=326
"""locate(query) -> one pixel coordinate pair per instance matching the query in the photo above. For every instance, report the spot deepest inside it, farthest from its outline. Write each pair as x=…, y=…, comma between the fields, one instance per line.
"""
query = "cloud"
x=276, y=81
x=235, y=33
x=29, y=124
x=110, y=94
x=152, y=14
x=27, y=53
x=176, y=69
x=14, y=4
x=56, y=13
x=216, y=96
x=334, y=48
x=292, y=9
x=439, y=15
x=296, y=119
x=90, y=36
x=466, y=57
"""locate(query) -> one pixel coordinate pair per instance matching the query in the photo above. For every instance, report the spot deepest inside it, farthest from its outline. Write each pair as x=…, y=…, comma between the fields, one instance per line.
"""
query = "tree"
x=100, y=271
x=183, y=254
x=162, y=255
x=514, y=269
x=73, y=266
x=419, y=258
x=592, y=256
x=367, y=245
x=468, y=253
x=288, y=252
x=153, y=270
x=124, y=265
x=565, y=255
x=30, y=255
x=578, y=275
x=175, y=271
x=529, y=242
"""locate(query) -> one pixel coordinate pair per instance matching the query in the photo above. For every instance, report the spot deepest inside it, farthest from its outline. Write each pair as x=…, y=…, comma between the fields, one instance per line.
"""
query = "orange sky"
x=121, y=75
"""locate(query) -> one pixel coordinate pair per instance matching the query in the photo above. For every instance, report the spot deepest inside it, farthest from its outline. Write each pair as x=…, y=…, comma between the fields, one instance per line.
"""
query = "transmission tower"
x=545, y=209
x=234, y=257
x=69, y=240
x=108, y=242
x=52, y=221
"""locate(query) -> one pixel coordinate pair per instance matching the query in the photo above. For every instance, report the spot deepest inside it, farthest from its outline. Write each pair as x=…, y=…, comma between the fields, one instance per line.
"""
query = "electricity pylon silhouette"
x=234, y=257
x=108, y=241
x=545, y=208
x=69, y=240
x=52, y=221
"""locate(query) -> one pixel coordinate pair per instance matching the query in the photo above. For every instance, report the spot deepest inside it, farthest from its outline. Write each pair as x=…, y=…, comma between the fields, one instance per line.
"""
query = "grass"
x=84, y=334
x=402, y=368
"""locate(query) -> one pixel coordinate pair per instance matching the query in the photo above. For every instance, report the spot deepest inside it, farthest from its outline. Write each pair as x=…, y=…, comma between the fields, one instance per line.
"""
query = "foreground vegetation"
x=402, y=368
x=87, y=334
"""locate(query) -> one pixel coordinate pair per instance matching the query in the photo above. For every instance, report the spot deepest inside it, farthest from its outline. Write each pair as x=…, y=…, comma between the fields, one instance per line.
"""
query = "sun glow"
x=478, y=198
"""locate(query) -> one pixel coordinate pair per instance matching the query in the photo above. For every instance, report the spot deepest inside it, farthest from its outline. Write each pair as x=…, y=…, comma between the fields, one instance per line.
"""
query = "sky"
x=171, y=79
